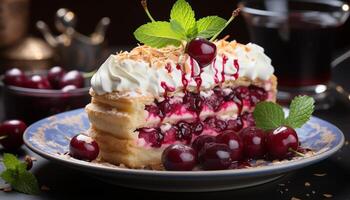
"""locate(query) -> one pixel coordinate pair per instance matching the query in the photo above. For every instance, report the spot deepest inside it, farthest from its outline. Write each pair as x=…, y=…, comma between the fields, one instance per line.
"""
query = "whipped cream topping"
x=233, y=60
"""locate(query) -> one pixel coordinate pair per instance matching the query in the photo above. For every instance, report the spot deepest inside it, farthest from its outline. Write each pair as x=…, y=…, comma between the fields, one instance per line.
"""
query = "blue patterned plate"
x=50, y=138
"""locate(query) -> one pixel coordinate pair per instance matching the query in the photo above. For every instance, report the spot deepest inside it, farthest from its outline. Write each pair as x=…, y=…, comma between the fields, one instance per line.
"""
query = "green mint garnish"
x=181, y=27
x=270, y=115
x=17, y=175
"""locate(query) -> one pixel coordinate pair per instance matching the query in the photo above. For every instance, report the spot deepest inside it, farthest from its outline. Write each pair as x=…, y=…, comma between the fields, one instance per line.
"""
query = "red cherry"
x=38, y=82
x=179, y=157
x=199, y=142
x=83, y=147
x=214, y=156
x=154, y=136
x=73, y=77
x=254, y=144
x=280, y=140
x=234, y=142
x=12, y=132
x=69, y=88
x=54, y=76
x=15, y=77
x=202, y=50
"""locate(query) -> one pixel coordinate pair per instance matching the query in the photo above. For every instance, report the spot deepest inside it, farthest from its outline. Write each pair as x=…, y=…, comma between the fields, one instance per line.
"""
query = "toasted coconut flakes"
x=328, y=195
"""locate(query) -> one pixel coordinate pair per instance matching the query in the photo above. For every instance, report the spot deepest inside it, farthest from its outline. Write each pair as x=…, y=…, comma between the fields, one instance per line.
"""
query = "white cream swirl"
x=126, y=74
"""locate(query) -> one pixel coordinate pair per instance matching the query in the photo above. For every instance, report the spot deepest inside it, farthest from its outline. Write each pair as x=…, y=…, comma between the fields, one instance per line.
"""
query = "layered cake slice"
x=148, y=98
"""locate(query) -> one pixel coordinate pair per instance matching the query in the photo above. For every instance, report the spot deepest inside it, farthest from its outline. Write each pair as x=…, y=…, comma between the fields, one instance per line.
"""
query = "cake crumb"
x=286, y=189
x=281, y=184
x=328, y=195
x=307, y=184
x=320, y=174
x=307, y=194
x=346, y=143
x=295, y=198
x=313, y=192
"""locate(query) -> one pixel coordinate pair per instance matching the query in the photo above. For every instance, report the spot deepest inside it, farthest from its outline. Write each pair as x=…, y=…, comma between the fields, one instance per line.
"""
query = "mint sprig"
x=270, y=115
x=17, y=175
x=182, y=26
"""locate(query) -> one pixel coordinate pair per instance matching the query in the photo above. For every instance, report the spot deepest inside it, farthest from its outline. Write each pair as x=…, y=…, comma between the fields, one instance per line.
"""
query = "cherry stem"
x=234, y=15
x=144, y=5
x=3, y=137
x=296, y=152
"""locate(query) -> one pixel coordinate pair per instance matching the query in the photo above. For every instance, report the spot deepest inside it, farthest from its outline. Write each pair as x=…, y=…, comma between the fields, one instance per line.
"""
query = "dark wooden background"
x=127, y=15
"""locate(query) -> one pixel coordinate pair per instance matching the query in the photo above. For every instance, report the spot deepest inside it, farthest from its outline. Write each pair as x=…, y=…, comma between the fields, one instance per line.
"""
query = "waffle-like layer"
x=115, y=118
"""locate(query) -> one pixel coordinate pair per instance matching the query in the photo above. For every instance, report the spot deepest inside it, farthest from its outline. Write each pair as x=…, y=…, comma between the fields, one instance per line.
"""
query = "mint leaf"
x=268, y=115
x=210, y=25
x=17, y=176
x=177, y=28
x=26, y=183
x=157, y=34
x=9, y=175
x=182, y=12
x=300, y=111
x=10, y=161
x=192, y=33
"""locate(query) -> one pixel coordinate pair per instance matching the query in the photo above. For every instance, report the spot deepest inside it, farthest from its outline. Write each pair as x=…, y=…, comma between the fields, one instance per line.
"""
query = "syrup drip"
x=224, y=60
x=197, y=78
x=168, y=67
x=235, y=63
x=216, y=80
x=166, y=89
x=183, y=78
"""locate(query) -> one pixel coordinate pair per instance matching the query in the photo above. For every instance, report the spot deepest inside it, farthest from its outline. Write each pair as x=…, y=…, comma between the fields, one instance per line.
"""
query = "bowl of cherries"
x=32, y=96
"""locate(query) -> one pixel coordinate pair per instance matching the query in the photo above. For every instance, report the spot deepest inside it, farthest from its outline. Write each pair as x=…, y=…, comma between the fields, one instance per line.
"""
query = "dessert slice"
x=148, y=98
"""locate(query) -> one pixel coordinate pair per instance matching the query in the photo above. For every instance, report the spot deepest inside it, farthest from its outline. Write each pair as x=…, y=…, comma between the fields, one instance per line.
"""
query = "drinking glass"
x=298, y=36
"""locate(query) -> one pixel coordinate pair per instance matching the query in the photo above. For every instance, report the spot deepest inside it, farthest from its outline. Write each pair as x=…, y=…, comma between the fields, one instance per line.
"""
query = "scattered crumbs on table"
x=338, y=158
x=44, y=188
x=33, y=158
x=313, y=192
x=295, y=198
x=307, y=184
x=286, y=189
x=346, y=143
x=328, y=195
x=282, y=184
x=307, y=194
x=320, y=174
x=281, y=191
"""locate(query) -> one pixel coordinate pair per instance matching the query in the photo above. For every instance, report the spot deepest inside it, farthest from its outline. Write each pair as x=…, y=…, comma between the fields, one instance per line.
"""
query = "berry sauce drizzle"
x=224, y=60
x=235, y=63
x=168, y=68
x=183, y=78
x=216, y=80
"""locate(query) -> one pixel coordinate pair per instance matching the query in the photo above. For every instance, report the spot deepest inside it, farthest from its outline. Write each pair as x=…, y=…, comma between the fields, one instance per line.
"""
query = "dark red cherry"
x=248, y=119
x=202, y=50
x=179, y=157
x=69, y=88
x=280, y=141
x=184, y=132
x=234, y=124
x=54, y=75
x=257, y=94
x=11, y=133
x=234, y=142
x=73, y=77
x=254, y=144
x=216, y=124
x=15, y=77
x=153, y=110
x=214, y=156
x=194, y=102
x=38, y=82
x=199, y=142
x=197, y=127
x=153, y=136
x=83, y=147
x=242, y=92
x=214, y=101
